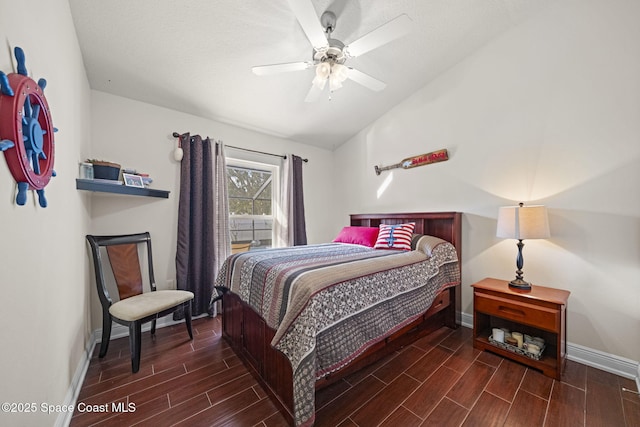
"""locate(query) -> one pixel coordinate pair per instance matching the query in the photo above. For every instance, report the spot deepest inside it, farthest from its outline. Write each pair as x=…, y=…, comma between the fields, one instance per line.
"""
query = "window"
x=252, y=187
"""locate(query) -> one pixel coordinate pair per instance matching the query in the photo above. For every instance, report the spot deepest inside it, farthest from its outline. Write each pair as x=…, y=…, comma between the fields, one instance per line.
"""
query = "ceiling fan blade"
x=313, y=94
x=265, y=70
x=309, y=21
x=365, y=80
x=390, y=31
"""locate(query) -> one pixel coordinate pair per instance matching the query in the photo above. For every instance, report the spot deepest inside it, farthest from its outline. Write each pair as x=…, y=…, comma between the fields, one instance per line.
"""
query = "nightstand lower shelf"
x=547, y=363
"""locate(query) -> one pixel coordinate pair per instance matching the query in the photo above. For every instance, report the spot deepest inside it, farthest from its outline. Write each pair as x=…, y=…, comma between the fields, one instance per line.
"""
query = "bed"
x=302, y=318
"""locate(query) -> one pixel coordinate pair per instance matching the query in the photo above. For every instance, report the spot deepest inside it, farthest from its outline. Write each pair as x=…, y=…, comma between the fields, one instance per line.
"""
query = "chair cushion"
x=143, y=305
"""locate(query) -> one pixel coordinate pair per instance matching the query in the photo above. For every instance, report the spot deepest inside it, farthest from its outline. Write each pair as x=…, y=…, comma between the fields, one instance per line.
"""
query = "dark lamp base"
x=520, y=284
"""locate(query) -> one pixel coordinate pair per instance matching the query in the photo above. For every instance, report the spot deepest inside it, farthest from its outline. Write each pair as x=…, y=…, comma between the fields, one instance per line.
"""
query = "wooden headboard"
x=445, y=225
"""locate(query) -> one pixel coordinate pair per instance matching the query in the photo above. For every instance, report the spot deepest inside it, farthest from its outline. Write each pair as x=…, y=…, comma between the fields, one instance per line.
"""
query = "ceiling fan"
x=329, y=54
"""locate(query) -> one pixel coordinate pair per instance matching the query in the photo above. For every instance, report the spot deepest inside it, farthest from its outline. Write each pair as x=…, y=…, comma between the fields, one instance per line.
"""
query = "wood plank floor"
x=440, y=380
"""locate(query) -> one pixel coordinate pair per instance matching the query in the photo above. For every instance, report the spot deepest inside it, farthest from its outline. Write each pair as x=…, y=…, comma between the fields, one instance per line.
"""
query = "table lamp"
x=522, y=222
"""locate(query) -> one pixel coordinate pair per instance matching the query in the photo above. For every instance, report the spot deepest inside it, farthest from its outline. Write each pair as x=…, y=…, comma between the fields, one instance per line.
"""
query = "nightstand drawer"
x=528, y=314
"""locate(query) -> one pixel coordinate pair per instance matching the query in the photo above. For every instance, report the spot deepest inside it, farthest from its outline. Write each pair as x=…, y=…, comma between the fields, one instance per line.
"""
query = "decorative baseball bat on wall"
x=421, y=160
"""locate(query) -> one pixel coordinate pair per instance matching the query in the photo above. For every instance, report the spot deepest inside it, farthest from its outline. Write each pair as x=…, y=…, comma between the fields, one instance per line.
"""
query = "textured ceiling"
x=196, y=56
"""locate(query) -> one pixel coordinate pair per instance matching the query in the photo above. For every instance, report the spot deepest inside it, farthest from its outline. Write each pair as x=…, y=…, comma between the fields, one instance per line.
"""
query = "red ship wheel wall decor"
x=26, y=131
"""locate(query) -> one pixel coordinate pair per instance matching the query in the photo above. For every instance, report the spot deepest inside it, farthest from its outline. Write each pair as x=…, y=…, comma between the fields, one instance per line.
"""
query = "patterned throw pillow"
x=397, y=236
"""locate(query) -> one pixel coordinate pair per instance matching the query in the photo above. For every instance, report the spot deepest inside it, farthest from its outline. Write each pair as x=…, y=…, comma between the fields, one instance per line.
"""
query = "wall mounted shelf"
x=103, y=187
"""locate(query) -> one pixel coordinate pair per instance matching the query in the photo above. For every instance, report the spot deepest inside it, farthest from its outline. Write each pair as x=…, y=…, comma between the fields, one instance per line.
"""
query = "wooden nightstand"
x=540, y=312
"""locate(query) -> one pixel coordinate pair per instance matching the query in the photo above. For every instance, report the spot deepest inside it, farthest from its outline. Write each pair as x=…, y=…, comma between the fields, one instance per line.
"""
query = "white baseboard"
x=587, y=356
x=607, y=362
x=467, y=320
x=64, y=417
x=117, y=331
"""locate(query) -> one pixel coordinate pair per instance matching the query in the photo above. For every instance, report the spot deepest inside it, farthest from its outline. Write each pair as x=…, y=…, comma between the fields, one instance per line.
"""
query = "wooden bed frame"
x=250, y=337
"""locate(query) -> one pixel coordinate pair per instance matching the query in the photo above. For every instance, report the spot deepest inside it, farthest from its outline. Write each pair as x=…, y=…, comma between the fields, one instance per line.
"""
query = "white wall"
x=138, y=135
x=43, y=270
x=546, y=113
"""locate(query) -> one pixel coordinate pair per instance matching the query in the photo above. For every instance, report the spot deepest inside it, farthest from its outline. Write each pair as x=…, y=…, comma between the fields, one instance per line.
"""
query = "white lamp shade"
x=523, y=222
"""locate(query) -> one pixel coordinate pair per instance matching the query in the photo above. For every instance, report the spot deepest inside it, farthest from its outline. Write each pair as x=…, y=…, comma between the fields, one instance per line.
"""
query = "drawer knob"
x=513, y=311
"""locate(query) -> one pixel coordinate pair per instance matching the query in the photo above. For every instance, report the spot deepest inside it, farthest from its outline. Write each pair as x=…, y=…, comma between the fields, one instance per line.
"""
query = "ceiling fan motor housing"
x=334, y=52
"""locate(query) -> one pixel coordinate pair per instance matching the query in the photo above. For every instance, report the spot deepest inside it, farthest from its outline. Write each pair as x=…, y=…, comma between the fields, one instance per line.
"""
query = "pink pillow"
x=365, y=236
x=397, y=236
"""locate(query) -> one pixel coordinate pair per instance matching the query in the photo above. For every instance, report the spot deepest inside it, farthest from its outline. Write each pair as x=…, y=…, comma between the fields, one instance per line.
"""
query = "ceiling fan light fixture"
x=339, y=72
x=319, y=82
x=334, y=83
x=323, y=70
x=329, y=55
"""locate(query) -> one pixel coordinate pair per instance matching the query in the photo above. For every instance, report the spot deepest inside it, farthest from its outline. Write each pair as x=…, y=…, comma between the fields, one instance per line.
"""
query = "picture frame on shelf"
x=131, y=180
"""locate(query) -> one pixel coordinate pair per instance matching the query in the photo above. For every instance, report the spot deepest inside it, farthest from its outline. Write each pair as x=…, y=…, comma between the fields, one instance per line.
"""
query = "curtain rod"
x=177, y=135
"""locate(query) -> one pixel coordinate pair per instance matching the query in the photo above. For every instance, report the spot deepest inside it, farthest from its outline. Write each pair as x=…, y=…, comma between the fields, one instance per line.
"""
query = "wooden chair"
x=134, y=306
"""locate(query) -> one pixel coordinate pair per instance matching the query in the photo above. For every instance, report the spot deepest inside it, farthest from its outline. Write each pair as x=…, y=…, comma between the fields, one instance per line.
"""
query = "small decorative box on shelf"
x=524, y=351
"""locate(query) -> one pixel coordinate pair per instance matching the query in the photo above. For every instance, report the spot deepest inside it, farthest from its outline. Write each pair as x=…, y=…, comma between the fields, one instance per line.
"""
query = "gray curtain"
x=200, y=232
x=290, y=226
x=298, y=223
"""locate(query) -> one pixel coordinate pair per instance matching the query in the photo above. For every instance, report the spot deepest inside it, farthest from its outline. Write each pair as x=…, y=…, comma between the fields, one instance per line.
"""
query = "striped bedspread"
x=330, y=302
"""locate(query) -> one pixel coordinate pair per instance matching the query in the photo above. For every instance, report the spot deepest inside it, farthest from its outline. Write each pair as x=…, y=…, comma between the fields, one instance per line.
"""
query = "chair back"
x=125, y=265
x=122, y=253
